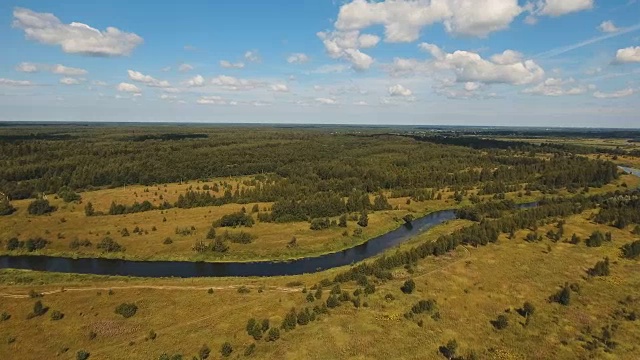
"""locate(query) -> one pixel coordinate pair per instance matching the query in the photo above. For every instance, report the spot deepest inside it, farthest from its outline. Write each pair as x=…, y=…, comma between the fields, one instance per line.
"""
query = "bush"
x=204, y=352
x=235, y=219
x=423, y=306
x=250, y=349
x=211, y=234
x=238, y=238
x=82, y=355
x=595, y=240
x=501, y=322
x=127, y=310
x=35, y=244
x=601, y=268
x=152, y=335
x=527, y=309
x=320, y=224
x=14, y=244
x=274, y=334
x=408, y=286
x=243, y=290
x=363, y=221
x=563, y=296
x=76, y=244
x=5, y=316
x=167, y=241
x=226, y=349
x=38, y=310
x=5, y=207
x=40, y=207
x=56, y=315
x=109, y=245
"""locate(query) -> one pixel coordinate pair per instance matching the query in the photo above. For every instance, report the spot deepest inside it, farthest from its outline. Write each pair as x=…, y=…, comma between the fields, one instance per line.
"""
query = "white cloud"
x=168, y=97
x=346, y=45
x=471, y=86
x=56, y=69
x=229, y=65
x=361, y=103
x=399, y=90
x=127, y=87
x=558, y=87
x=27, y=67
x=214, y=100
x=608, y=27
x=326, y=101
x=297, y=58
x=471, y=67
x=252, y=56
x=368, y=40
x=172, y=90
x=74, y=38
x=404, y=66
x=628, y=55
x=195, y=81
x=69, y=81
x=330, y=68
x=9, y=82
x=147, y=79
x=166, y=68
x=185, y=67
x=68, y=71
x=260, y=103
x=233, y=83
x=562, y=7
x=404, y=19
x=280, y=88
x=614, y=95
x=99, y=83
x=508, y=57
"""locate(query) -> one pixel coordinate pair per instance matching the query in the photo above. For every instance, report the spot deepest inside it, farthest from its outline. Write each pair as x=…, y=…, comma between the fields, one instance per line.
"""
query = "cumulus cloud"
x=127, y=87
x=74, y=38
x=279, y=88
x=147, y=79
x=628, y=55
x=252, y=56
x=562, y=7
x=615, y=94
x=346, y=45
x=168, y=97
x=508, y=57
x=69, y=81
x=56, y=69
x=297, y=58
x=229, y=65
x=185, y=67
x=68, y=71
x=195, y=81
x=27, y=67
x=211, y=100
x=326, y=101
x=233, y=83
x=399, y=90
x=404, y=19
x=471, y=67
x=9, y=82
x=558, y=87
x=608, y=27
x=99, y=83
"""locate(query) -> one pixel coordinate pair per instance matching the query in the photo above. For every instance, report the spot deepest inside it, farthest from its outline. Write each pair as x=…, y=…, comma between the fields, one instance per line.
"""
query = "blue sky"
x=455, y=62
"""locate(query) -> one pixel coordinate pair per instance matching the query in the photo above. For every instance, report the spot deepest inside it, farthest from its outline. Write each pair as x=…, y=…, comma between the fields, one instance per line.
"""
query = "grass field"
x=471, y=287
x=69, y=222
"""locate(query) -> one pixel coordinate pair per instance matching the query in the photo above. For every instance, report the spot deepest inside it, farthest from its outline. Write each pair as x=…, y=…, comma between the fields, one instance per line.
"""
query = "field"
x=462, y=298
x=471, y=287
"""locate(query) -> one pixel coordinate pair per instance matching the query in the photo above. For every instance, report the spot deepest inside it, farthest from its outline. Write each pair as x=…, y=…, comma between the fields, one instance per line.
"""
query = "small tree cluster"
x=601, y=268
x=127, y=310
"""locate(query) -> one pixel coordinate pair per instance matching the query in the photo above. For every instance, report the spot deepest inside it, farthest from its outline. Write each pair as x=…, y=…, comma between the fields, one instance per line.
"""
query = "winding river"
x=186, y=269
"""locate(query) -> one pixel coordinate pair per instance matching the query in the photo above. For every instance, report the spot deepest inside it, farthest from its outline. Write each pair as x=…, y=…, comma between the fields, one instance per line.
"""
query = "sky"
x=542, y=63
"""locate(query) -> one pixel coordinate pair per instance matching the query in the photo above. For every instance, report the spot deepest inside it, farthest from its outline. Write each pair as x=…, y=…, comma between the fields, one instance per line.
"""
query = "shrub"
x=408, y=218
x=226, y=349
x=342, y=222
x=204, y=352
x=40, y=207
x=595, y=240
x=408, y=286
x=219, y=246
x=38, y=310
x=601, y=268
x=82, y=355
x=363, y=221
x=5, y=316
x=167, y=241
x=5, y=207
x=127, y=310
x=56, y=315
x=35, y=244
x=243, y=290
x=320, y=224
x=250, y=349
x=631, y=250
x=14, y=244
x=563, y=296
x=332, y=301
x=527, y=309
x=423, y=306
x=109, y=245
x=238, y=238
x=211, y=234
x=274, y=334
x=235, y=219
x=152, y=335
x=501, y=322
